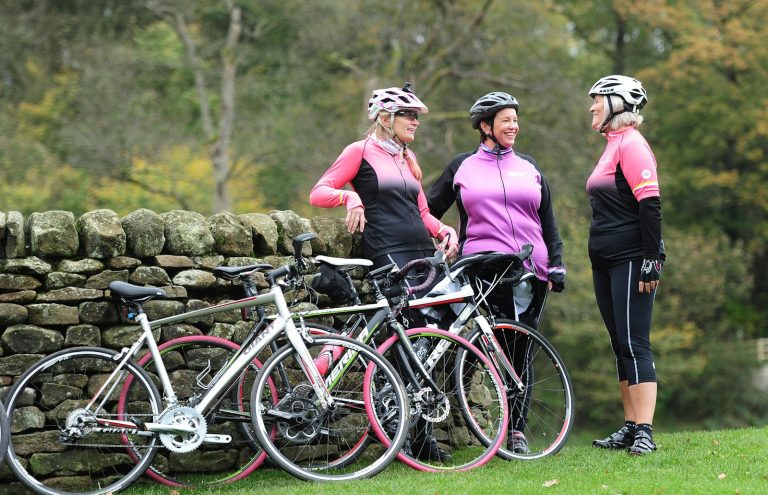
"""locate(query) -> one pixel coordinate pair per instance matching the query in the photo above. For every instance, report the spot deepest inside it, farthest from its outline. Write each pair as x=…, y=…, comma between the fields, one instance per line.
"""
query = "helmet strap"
x=611, y=113
x=491, y=136
x=626, y=107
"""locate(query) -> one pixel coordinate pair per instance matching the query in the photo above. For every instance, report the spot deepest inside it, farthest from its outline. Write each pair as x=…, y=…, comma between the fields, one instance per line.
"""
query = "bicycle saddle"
x=130, y=293
x=342, y=261
x=233, y=272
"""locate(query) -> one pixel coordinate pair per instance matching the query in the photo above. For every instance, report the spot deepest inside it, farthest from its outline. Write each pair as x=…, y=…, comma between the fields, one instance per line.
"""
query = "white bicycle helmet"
x=487, y=106
x=629, y=89
x=394, y=99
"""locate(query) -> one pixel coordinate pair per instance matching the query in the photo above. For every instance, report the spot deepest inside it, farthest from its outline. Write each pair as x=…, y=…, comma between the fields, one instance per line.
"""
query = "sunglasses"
x=408, y=114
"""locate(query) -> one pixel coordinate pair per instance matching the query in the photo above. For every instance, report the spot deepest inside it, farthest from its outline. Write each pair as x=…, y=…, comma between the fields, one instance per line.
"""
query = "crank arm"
x=274, y=413
x=211, y=438
x=161, y=428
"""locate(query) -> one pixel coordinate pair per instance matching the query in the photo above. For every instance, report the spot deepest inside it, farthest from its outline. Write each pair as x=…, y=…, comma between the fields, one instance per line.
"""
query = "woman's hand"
x=556, y=282
x=449, y=244
x=356, y=219
x=650, y=275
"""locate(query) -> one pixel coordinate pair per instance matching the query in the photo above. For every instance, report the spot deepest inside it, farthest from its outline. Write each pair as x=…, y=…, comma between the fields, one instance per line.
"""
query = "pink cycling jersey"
x=624, y=176
x=396, y=211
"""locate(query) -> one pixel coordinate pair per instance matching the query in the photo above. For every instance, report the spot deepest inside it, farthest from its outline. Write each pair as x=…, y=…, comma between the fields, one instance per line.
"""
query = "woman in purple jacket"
x=504, y=202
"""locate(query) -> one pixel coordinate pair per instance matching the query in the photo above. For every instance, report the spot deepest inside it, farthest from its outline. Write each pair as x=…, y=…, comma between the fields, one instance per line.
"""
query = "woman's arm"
x=328, y=192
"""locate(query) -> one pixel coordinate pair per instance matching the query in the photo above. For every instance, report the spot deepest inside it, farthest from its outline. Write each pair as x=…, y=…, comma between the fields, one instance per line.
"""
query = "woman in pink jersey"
x=627, y=252
x=387, y=203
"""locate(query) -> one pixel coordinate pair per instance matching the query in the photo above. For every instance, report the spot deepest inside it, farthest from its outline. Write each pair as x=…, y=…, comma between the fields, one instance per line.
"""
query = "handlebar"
x=277, y=273
x=396, y=278
x=399, y=276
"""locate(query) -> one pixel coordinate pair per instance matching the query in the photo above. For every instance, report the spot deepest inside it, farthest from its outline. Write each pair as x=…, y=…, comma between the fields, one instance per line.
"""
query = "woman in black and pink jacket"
x=627, y=252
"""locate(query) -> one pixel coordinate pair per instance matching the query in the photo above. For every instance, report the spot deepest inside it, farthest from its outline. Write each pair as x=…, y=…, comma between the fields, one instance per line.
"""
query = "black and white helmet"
x=629, y=89
x=487, y=106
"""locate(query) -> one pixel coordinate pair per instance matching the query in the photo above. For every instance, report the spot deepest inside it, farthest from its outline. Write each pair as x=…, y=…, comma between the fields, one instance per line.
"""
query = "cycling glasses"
x=408, y=114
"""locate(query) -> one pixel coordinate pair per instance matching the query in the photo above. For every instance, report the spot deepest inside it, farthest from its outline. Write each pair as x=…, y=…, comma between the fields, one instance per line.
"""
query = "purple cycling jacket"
x=504, y=202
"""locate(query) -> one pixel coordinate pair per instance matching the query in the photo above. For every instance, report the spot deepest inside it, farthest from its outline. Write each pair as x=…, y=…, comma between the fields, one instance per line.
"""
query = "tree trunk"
x=220, y=148
x=218, y=137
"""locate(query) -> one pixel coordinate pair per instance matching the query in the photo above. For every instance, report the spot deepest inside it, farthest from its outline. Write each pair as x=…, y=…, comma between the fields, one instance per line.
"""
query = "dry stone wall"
x=54, y=269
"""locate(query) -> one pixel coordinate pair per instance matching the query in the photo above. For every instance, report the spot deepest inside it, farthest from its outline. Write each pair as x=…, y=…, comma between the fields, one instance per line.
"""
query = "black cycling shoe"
x=427, y=449
x=620, y=440
x=517, y=443
x=643, y=443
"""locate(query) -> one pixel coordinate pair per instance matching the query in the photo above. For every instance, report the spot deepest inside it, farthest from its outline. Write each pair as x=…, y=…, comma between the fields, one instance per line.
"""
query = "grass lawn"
x=719, y=462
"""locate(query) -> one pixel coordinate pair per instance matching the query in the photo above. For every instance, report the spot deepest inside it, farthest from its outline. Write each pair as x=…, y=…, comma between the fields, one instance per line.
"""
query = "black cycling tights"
x=627, y=316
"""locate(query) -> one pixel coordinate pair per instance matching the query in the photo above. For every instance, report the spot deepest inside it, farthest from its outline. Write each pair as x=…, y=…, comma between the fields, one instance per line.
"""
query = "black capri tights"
x=627, y=316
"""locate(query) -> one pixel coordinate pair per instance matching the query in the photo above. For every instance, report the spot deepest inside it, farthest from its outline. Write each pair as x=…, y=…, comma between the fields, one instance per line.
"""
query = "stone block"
x=149, y=275
x=12, y=313
x=18, y=282
x=31, y=265
x=145, y=233
x=82, y=335
x=195, y=279
x=98, y=313
x=31, y=339
x=59, y=280
x=70, y=295
x=187, y=233
x=102, y=280
x=15, y=235
x=102, y=234
x=52, y=314
x=52, y=234
x=264, y=231
x=289, y=225
x=232, y=236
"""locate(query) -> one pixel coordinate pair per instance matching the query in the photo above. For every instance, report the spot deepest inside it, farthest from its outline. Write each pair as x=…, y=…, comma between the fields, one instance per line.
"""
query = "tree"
x=712, y=134
x=218, y=136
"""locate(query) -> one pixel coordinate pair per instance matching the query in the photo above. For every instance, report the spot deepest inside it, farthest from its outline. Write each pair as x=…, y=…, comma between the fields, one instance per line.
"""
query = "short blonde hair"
x=624, y=119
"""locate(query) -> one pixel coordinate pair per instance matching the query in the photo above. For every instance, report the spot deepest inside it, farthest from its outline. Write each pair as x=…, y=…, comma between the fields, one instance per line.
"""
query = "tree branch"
x=159, y=191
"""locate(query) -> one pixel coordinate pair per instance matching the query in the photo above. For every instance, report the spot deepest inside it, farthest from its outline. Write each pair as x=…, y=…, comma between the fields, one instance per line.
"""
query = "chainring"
x=187, y=417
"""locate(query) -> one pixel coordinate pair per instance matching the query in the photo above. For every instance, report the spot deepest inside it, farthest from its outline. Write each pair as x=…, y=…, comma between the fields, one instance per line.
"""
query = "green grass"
x=719, y=462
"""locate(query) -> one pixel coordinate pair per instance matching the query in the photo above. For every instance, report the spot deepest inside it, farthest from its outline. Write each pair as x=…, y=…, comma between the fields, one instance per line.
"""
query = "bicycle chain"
x=122, y=445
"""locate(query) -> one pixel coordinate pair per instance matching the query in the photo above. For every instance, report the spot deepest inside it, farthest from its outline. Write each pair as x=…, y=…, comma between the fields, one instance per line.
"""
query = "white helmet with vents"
x=629, y=89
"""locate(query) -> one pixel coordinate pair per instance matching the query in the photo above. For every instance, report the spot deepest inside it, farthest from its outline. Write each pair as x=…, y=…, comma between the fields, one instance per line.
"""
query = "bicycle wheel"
x=311, y=439
x=543, y=410
x=66, y=435
x=437, y=414
x=192, y=362
x=5, y=431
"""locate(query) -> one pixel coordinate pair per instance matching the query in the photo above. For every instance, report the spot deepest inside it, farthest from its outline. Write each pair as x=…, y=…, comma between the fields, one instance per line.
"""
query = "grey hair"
x=624, y=119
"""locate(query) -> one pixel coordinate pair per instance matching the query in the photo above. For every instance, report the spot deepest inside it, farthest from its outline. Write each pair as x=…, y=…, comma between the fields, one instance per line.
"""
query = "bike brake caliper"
x=304, y=332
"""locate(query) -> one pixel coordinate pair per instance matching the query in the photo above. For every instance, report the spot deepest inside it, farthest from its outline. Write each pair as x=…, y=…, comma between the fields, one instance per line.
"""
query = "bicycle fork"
x=495, y=353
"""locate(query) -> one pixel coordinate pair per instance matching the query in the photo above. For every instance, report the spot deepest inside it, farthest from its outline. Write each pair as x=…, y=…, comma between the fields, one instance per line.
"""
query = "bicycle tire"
x=367, y=438
x=544, y=411
x=5, y=432
x=310, y=441
x=48, y=459
x=451, y=431
x=189, y=360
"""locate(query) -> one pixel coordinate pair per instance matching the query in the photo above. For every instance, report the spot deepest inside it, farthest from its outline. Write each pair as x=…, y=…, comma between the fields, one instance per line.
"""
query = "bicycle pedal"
x=210, y=438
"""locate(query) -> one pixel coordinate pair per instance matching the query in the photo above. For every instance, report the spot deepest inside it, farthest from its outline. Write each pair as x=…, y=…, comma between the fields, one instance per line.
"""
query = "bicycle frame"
x=465, y=294
x=282, y=324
